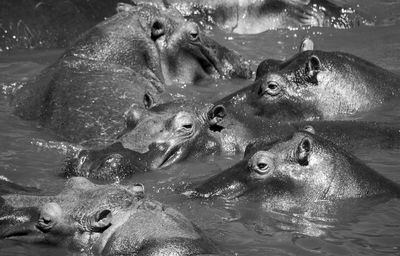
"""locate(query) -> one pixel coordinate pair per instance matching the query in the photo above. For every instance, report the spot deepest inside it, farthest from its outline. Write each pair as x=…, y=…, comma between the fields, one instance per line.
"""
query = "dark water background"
x=29, y=155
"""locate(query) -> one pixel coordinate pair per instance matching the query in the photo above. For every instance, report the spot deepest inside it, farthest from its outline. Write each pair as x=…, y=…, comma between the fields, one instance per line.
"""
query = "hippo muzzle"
x=245, y=177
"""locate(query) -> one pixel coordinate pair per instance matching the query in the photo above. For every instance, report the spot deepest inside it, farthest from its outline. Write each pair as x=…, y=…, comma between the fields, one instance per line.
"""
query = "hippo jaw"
x=186, y=59
x=25, y=232
x=188, y=56
x=173, y=154
x=41, y=230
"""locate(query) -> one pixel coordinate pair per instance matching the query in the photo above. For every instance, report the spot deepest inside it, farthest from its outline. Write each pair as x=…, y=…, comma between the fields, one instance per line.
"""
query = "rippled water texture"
x=29, y=154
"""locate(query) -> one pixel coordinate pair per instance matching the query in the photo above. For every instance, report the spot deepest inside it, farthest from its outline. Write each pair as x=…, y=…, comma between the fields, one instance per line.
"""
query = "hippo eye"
x=271, y=88
x=183, y=122
x=261, y=165
x=262, y=162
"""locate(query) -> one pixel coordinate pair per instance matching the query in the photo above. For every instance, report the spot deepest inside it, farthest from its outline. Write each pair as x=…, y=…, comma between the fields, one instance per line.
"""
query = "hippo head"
x=317, y=85
x=303, y=166
x=187, y=55
x=146, y=37
x=155, y=138
x=291, y=92
x=104, y=220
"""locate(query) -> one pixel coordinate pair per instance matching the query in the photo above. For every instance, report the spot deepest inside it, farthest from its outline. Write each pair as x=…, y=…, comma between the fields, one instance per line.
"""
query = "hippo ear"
x=157, y=29
x=303, y=151
x=313, y=67
x=124, y=7
x=216, y=114
x=148, y=100
x=306, y=45
x=101, y=221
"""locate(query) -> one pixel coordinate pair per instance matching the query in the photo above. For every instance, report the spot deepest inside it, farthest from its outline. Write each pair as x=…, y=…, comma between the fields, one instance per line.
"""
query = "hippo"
x=132, y=55
x=251, y=17
x=169, y=133
x=315, y=85
x=304, y=166
x=102, y=220
x=154, y=139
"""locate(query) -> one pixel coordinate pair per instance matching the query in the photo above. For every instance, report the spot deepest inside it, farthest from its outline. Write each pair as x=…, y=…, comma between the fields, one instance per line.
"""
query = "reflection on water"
x=29, y=155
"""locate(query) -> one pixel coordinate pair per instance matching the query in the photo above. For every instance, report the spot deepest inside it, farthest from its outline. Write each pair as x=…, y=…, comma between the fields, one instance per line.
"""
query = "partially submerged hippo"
x=305, y=167
x=101, y=220
x=172, y=132
x=117, y=63
x=255, y=16
x=316, y=84
x=154, y=139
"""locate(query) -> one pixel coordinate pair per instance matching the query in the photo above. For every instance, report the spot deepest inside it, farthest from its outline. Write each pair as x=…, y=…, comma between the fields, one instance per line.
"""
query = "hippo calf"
x=305, y=167
x=101, y=220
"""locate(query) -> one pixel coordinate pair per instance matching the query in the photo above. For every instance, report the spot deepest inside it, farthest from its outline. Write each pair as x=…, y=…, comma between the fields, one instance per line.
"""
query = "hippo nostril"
x=157, y=30
x=46, y=220
x=193, y=31
x=194, y=36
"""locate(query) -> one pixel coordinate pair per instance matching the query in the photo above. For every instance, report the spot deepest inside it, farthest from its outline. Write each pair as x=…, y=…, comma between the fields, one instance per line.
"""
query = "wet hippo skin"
x=132, y=55
x=102, y=220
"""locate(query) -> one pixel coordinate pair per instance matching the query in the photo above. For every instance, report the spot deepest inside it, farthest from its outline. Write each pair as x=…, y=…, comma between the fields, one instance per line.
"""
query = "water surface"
x=30, y=155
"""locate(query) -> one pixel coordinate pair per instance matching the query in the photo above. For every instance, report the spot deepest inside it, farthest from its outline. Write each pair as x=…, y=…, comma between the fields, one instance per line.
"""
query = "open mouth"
x=204, y=57
x=209, y=64
x=171, y=156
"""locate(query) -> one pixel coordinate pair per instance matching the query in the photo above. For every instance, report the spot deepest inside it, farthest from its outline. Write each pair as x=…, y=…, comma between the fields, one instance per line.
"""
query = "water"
x=30, y=156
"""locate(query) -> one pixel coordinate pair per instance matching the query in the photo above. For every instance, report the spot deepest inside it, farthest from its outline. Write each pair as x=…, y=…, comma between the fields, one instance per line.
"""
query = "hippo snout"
x=111, y=163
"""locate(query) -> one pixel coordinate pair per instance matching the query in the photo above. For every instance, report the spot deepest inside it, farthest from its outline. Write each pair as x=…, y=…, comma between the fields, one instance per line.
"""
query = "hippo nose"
x=193, y=31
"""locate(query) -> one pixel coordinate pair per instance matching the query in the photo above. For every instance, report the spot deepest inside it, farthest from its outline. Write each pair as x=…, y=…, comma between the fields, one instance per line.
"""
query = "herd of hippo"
x=111, y=93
